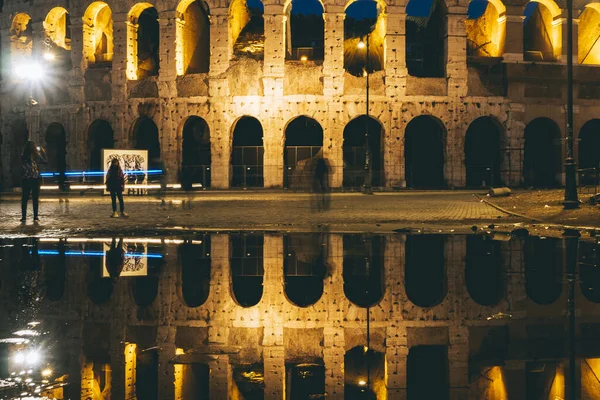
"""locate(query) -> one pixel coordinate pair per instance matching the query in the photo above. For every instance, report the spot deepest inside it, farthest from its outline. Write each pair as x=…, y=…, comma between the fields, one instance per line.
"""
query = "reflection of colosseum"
x=239, y=96
x=253, y=316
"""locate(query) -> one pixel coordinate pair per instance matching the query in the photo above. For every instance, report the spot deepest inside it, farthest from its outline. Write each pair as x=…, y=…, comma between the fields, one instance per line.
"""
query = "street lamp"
x=31, y=73
x=366, y=187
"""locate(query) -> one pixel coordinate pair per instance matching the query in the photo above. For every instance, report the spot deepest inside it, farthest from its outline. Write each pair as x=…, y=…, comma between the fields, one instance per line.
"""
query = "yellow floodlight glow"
x=361, y=45
x=362, y=383
x=49, y=56
x=303, y=58
x=47, y=372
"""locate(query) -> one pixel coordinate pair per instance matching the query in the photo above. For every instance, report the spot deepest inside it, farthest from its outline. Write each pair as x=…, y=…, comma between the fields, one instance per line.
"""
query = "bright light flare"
x=49, y=56
x=32, y=71
x=47, y=372
x=304, y=58
x=361, y=383
x=20, y=358
x=33, y=357
x=361, y=45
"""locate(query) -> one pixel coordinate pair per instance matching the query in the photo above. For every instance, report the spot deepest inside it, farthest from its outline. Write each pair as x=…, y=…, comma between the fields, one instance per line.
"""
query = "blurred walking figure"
x=160, y=164
x=30, y=178
x=320, y=185
x=115, y=184
x=187, y=181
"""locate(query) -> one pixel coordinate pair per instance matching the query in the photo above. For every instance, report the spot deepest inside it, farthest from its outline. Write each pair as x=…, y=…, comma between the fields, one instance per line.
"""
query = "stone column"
x=458, y=362
x=333, y=140
x=333, y=63
x=564, y=38
x=333, y=358
x=513, y=44
x=220, y=377
x=393, y=158
x=119, y=63
x=167, y=73
x=274, y=142
x=220, y=149
x=76, y=82
x=275, y=20
x=455, y=171
x=396, y=355
x=456, y=67
x=395, y=54
x=219, y=52
x=512, y=159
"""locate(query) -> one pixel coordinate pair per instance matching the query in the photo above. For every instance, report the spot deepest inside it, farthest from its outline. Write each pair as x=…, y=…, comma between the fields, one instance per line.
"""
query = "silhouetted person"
x=115, y=257
x=30, y=178
x=320, y=184
x=115, y=184
x=187, y=181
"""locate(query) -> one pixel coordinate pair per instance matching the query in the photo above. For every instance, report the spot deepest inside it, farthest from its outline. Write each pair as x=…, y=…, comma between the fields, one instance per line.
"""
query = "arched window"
x=98, y=46
x=57, y=29
x=588, y=30
x=247, y=153
x=195, y=154
x=354, y=151
x=304, y=268
x=195, y=271
x=542, y=153
x=145, y=133
x=426, y=32
x=193, y=38
x=247, y=269
x=21, y=38
x=482, y=153
x=364, y=374
x=365, y=19
x=424, y=149
x=542, y=37
x=484, y=270
x=305, y=30
x=486, y=28
x=249, y=381
x=543, y=269
x=247, y=28
x=143, y=36
x=589, y=144
x=303, y=142
x=363, y=269
x=425, y=270
x=427, y=373
x=100, y=136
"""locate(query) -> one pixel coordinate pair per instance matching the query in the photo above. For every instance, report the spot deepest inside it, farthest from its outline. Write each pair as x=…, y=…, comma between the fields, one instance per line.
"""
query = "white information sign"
x=131, y=161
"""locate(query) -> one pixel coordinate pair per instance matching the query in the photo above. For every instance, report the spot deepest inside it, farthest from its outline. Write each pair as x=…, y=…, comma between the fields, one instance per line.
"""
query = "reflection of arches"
x=305, y=30
x=246, y=260
x=247, y=29
x=542, y=38
x=589, y=270
x=195, y=272
x=426, y=40
x=425, y=270
x=195, y=381
x=144, y=290
x=486, y=32
x=247, y=153
x=146, y=374
x=193, y=38
x=354, y=151
x=303, y=141
x=56, y=148
x=57, y=29
x=145, y=133
x=100, y=136
x=143, y=37
x=304, y=268
x=363, y=269
x=543, y=269
x=373, y=26
x=427, y=375
x=589, y=144
x=195, y=154
x=305, y=380
x=424, y=148
x=362, y=365
x=98, y=33
x=484, y=272
x=99, y=289
x=542, y=158
x=482, y=153
x=55, y=268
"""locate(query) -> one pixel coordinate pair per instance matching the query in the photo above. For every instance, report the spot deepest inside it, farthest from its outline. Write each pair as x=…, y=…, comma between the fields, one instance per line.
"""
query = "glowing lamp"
x=49, y=56
x=33, y=357
x=30, y=71
x=361, y=383
x=19, y=358
x=303, y=58
x=361, y=45
x=47, y=372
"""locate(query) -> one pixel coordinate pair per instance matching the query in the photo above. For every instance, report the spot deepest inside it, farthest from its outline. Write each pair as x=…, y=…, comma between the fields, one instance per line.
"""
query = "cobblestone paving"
x=251, y=210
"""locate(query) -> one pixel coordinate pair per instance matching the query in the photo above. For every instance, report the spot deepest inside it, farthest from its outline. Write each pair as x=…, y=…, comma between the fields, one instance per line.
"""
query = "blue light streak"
x=95, y=254
x=100, y=173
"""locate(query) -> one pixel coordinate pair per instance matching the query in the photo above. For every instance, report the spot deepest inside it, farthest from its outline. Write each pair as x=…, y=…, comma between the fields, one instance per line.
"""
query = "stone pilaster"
x=167, y=72
x=455, y=171
x=219, y=52
x=119, y=63
x=76, y=82
x=456, y=67
x=395, y=53
x=513, y=44
x=274, y=143
x=512, y=158
x=220, y=377
x=121, y=363
x=458, y=361
x=166, y=371
x=220, y=150
x=333, y=63
x=275, y=20
x=333, y=140
x=396, y=355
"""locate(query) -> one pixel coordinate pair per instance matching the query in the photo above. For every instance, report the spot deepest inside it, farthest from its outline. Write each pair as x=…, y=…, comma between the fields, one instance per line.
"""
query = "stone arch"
x=98, y=46
x=543, y=269
x=542, y=37
x=144, y=289
x=364, y=20
x=483, y=158
x=247, y=153
x=303, y=142
x=425, y=278
x=426, y=39
x=542, y=153
x=427, y=373
x=56, y=149
x=304, y=268
x=247, y=28
x=588, y=35
x=305, y=30
x=363, y=269
x=247, y=268
x=195, y=153
x=589, y=270
x=146, y=137
x=364, y=374
x=192, y=47
x=194, y=278
x=100, y=136
x=486, y=32
x=143, y=40
x=424, y=152
x=484, y=270
x=355, y=139
x=589, y=144
x=57, y=27
x=21, y=37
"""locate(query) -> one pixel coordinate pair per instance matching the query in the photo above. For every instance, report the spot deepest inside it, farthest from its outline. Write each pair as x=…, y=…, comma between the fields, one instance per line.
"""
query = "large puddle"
x=252, y=315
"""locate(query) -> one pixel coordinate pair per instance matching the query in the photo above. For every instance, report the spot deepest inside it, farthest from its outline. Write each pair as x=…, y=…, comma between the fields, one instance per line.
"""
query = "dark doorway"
x=56, y=150
x=542, y=158
x=195, y=262
x=195, y=381
x=354, y=151
x=425, y=270
x=589, y=144
x=100, y=136
x=195, y=155
x=363, y=269
x=305, y=381
x=482, y=153
x=303, y=141
x=99, y=289
x=20, y=135
x=247, y=268
x=426, y=38
x=543, y=269
x=145, y=134
x=427, y=374
x=304, y=267
x=247, y=154
x=148, y=39
x=424, y=142
x=484, y=270
x=364, y=374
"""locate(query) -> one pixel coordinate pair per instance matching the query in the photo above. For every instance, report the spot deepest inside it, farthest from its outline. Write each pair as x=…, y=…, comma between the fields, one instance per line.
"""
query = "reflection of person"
x=115, y=258
x=30, y=178
x=115, y=184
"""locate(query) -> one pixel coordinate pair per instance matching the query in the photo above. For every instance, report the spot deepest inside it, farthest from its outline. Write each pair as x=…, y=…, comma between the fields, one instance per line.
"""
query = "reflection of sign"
x=130, y=160
x=135, y=260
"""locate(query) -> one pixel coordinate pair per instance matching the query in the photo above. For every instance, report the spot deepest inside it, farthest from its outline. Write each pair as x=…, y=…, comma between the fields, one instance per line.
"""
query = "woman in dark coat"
x=115, y=184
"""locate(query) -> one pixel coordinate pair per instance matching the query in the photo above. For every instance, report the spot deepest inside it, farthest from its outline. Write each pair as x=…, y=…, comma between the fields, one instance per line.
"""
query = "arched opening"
x=424, y=149
x=426, y=32
x=542, y=154
x=484, y=270
x=543, y=269
x=486, y=28
x=247, y=268
x=145, y=133
x=146, y=373
x=305, y=31
x=56, y=150
x=588, y=33
x=364, y=374
x=19, y=133
x=364, y=29
x=542, y=38
x=305, y=380
x=589, y=144
x=100, y=136
x=589, y=270
x=98, y=47
x=57, y=29
x=247, y=153
x=143, y=37
x=55, y=269
x=303, y=141
x=482, y=153
x=304, y=268
x=427, y=373
x=354, y=150
x=195, y=155
x=247, y=28
x=195, y=264
x=99, y=289
x=425, y=270
x=363, y=269
x=145, y=288
x=21, y=38
x=193, y=38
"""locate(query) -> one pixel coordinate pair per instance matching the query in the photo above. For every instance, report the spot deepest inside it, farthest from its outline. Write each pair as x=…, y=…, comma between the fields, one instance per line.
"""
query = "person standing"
x=30, y=178
x=115, y=184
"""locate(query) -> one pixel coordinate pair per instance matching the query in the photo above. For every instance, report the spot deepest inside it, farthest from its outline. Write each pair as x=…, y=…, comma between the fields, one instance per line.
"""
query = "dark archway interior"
x=425, y=270
x=482, y=153
x=56, y=149
x=543, y=269
x=589, y=270
x=307, y=28
x=305, y=381
x=195, y=381
x=484, y=270
x=99, y=289
x=146, y=374
x=19, y=133
x=197, y=39
x=251, y=40
x=249, y=380
x=196, y=155
x=195, y=272
x=100, y=136
x=304, y=268
x=363, y=269
x=424, y=141
x=427, y=375
x=537, y=34
x=368, y=366
x=354, y=151
x=145, y=288
x=145, y=133
x=303, y=141
x=247, y=154
x=542, y=154
x=426, y=41
x=148, y=43
x=589, y=145
x=247, y=268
